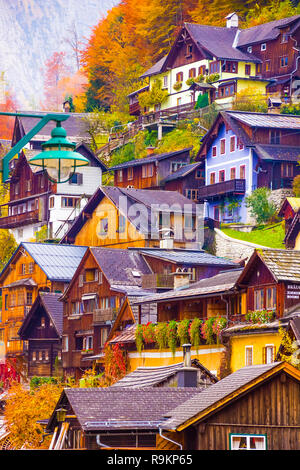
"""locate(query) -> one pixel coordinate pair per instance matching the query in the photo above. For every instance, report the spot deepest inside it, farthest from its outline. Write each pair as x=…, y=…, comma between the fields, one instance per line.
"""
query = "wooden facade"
x=150, y=171
x=42, y=331
x=266, y=417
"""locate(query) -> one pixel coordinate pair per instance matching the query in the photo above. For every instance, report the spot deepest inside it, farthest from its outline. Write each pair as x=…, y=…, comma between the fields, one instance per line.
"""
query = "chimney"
x=181, y=278
x=232, y=20
x=187, y=375
x=150, y=150
x=167, y=243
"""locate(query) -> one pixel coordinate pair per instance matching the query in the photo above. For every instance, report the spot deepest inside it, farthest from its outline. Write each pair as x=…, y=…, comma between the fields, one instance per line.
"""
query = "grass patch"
x=271, y=236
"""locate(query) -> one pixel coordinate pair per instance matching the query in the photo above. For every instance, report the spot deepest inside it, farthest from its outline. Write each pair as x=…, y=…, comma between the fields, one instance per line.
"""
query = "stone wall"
x=231, y=248
x=278, y=196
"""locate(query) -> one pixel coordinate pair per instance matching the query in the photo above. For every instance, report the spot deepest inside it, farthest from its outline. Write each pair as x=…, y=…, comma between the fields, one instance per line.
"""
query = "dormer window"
x=249, y=49
x=189, y=50
x=263, y=46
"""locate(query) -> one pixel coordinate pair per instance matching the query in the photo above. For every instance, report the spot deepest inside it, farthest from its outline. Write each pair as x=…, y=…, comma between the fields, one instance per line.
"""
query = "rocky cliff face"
x=31, y=30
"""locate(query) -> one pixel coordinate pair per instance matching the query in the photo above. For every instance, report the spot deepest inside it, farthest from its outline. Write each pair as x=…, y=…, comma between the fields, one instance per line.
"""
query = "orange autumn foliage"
x=24, y=408
x=7, y=123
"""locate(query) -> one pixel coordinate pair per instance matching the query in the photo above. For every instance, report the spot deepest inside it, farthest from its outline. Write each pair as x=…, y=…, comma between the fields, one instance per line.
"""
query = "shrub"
x=195, y=332
x=172, y=335
x=148, y=332
x=207, y=331
x=259, y=316
x=177, y=86
x=161, y=335
x=260, y=207
x=296, y=186
x=139, y=338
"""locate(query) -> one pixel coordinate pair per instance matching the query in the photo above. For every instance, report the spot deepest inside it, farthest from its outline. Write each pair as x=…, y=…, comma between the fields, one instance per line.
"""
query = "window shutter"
x=264, y=354
x=96, y=275
x=80, y=178
x=80, y=280
x=100, y=277
x=274, y=354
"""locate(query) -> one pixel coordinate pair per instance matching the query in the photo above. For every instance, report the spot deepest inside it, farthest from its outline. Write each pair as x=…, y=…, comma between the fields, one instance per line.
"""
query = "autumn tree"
x=55, y=70
x=24, y=408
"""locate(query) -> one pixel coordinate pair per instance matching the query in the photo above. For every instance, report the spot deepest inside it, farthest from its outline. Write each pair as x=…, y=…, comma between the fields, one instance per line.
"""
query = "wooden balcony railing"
x=284, y=182
x=134, y=109
x=102, y=315
x=17, y=220
x=233, y=187
x=152, y=281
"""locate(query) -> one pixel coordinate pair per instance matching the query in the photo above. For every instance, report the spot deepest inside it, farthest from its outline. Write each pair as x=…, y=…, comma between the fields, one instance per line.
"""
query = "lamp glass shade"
x=58, y=157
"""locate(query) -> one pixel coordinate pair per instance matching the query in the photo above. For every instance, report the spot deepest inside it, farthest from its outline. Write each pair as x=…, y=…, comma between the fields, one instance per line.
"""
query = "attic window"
x=249, y=49
x=136, y=273
x=263, y=46
x=189, y=50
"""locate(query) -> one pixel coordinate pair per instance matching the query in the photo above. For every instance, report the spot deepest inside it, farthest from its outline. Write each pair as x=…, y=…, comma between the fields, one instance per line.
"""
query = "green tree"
x=260, y=206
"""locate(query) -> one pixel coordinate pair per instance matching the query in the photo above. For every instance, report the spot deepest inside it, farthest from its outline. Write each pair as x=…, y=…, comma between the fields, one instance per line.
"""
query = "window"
x=284, y=37
x=248, y=355
x=216, y=213
x=176, y=165
x=51, y=202
x=65, y=343
x=165, y=81
x=103, y=226
x=6, y=302
x=249, y=49
x=91, y=275
x=271, y=298
x=232, y=173
x=212, y=178
x=199, y=174
x=88, y=342
x=179, y=100
x=122, y=224
x=76, y=178
x=214, y=151
x=89, y=304
x=192, y=194
x=179, y=77
x=214, y=67
x=275, y=136
x=103, y=336
x=144, y=171
x=28, y=185
x=202, y=70
x=284, y=61
x=230, y=67
x=33, y=357
x=242, y=172
x=120, y=176
x=267, y=65
x=258, y=69
x=269, y=354
x=28, y=298
x=76, y=308
x=232, y=143
x=221, y=176
x=263, y=46
x=69, y=201
x=248, y=442
x=130, y=173
x=150, y=170
x=189, y=50
x=259, y=299
x=189, y=222
x=192, y=73
x=239, y=144
x=43, y=322
x=222, y=146
x=247, y=69
x=287, y=170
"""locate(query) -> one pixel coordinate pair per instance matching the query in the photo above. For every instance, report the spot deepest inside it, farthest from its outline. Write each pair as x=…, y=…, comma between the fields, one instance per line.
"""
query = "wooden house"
x=255, y=408
x=288, y=210
x=102, y=281
x=42, y=330
x=212, y=64
x=271, y=278
x=243, y=151
x=113, y=425
x=35, y=202
x=121, y=218
x=33, y=268
x=167, y=266
x=186, y=180
x=150, y=171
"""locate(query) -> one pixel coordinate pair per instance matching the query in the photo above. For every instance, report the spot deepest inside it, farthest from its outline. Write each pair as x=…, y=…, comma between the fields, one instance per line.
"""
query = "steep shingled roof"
x=215, y=393
x=151, y=158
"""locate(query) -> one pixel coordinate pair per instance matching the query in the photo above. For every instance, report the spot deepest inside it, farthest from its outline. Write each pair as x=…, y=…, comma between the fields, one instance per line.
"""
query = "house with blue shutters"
x=243, y=151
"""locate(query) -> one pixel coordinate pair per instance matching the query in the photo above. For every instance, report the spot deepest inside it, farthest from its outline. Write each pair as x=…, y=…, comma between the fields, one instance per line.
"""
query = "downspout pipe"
x=100, y=444
x=168, y=439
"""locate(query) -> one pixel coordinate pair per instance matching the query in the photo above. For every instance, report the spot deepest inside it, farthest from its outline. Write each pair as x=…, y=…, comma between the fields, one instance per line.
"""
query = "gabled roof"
x=274, y=121
x=215, y=285
x=156, y=376
x=121, y=267
x=151, y=158
x=182, y=172
x=187, y=257
x=53, y=307
x=155, y=69
x=265, y=32
x=281, y=153
x=114, y=408
x=76, y=126
x=223, y=393
x=284, y=265
x=293, y=202
x=146, y=197
x=59, y=262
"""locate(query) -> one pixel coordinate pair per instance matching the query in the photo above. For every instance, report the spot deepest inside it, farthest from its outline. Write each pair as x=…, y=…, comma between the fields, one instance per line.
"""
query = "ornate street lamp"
x=58, y=157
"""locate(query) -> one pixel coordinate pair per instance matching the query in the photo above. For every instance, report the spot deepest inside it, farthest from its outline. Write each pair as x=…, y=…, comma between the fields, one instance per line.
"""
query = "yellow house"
x=121, y=218
x=33, y=268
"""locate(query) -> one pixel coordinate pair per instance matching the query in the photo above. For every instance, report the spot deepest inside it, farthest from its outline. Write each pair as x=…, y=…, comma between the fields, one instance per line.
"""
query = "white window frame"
x=248, y=437
x=269, y=346
x=249, y=347
x=263, y=46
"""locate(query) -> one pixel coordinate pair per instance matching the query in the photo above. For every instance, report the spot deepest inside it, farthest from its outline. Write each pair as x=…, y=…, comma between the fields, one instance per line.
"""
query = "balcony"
x=134, y=109
x=232, y=187
x=17, y=220
x=103, y=315
x=154, y=281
